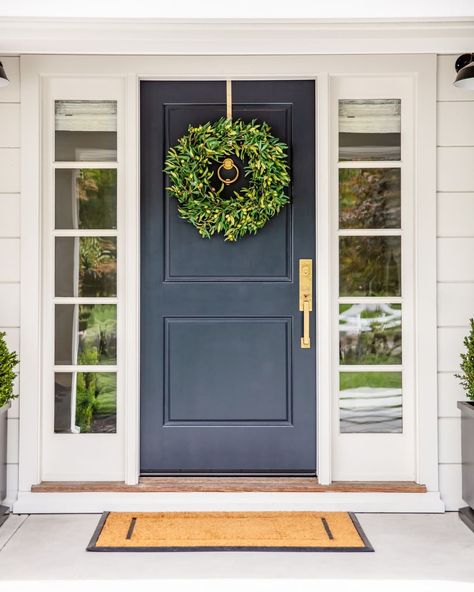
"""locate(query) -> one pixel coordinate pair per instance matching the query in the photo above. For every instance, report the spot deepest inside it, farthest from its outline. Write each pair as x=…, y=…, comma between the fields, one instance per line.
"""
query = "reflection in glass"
x=85, y=402
x=86, y=198
x=86, y=130
x=369, y=129
x=369, y=266
x=86, y=266
x=370, y=402
x=369, y=198
x=85, y=334
x=370, y=334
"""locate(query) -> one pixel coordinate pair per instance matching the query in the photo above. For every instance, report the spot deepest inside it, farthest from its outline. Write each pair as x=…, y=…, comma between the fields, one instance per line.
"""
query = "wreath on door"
x=191, y=164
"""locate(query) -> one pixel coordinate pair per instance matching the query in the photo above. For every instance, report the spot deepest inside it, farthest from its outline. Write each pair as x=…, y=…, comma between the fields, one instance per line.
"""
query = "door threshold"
x=228, y=484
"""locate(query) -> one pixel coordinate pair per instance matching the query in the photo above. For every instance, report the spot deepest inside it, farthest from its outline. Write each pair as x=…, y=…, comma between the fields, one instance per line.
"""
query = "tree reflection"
x=369, y=198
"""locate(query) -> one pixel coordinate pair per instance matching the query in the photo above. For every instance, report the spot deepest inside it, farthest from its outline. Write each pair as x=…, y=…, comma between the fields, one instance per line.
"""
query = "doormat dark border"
x=92, y=544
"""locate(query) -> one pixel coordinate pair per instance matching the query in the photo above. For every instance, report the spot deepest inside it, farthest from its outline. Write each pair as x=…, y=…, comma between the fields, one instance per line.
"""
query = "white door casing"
x=414, y=74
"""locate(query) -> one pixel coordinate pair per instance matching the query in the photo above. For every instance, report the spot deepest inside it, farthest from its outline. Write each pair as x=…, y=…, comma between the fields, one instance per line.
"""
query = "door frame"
x=35, y=72
x=323, y=359
x=317, y=150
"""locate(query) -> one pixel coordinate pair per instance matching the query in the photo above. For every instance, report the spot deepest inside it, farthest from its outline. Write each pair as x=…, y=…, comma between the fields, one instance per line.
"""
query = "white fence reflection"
x=371, y=410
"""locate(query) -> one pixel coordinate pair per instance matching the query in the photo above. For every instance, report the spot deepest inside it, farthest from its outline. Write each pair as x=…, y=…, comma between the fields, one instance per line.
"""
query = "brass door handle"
x=305, y=340
x=306, y=298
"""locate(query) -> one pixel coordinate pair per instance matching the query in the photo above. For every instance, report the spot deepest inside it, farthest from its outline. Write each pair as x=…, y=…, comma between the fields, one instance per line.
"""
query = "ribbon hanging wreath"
x=189, y=166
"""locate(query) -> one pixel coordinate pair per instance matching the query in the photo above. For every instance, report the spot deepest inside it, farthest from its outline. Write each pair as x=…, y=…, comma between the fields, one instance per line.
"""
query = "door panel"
x=259, y=395
x=225, y=385
x=188, y=256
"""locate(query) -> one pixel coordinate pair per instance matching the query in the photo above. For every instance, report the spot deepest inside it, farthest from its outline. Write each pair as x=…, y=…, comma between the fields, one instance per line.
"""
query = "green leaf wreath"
x=189, y=169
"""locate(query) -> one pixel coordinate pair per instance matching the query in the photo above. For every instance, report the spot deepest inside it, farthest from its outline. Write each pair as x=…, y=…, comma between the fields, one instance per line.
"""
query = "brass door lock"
x=306, y=298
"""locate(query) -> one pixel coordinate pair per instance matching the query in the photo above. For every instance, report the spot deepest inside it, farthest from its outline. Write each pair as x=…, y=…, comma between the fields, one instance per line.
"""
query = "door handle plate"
x=306, y=298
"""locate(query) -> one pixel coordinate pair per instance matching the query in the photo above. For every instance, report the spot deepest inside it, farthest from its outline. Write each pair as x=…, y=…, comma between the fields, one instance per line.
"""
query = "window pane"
x=369, y=129
x=86, y=198
x=369, y=266
x=86, y=130
x=370, y=402
x=85, y=402
x=369, y=198
x=370, y=334
x=85, y=334
x=86, y=266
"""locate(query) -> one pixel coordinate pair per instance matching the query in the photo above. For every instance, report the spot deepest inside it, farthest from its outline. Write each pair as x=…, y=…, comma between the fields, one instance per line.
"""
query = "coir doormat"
x=229, y=531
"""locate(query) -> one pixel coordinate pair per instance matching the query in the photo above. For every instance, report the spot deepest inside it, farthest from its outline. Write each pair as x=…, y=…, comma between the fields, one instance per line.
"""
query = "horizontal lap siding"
x=455, y=185
x=10, y=243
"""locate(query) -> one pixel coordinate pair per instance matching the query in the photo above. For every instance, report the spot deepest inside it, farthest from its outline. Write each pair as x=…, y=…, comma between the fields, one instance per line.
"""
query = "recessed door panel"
x=222, y=370
x=188, y=256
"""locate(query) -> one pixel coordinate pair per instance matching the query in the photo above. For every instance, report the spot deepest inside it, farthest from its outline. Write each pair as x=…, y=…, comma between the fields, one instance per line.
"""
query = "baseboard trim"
x=59, y=503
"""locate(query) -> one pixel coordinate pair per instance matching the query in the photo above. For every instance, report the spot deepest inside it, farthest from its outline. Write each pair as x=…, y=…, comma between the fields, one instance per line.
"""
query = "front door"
x=225, y=385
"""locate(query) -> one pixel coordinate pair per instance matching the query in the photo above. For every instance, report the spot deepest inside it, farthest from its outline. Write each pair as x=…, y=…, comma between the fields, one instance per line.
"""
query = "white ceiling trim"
x=234, y=37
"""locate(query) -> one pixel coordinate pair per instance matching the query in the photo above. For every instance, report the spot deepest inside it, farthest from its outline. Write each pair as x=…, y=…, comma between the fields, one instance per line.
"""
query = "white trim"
x=367, y=231
x=84, y=300
x=30, y=286
x=323, y=294
x=219, y=67
x=233, y=36
x=425, y=273
x=370, y=299
x=57, y=449
x=78, y=232
x=374, y=456
x=57, y=503
x=85, y=164
x=369, y=164
x=372, y=368
x=131, y=252
x=79, y=368
x=322, y=272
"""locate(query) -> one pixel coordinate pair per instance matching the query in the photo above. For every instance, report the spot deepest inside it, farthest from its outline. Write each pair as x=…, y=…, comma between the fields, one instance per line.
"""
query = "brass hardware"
x=305, y=340
x=306, y=298
x=228, y=165
x=228, y=98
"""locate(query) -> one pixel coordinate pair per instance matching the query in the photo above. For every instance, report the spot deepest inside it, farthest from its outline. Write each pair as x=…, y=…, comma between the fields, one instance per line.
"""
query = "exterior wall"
x=455, y=187
x=10, y=241
x=455, y=184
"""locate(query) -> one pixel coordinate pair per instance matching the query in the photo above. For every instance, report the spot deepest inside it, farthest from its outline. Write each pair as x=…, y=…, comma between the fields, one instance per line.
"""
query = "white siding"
x=10, y=242
x=10, y=215
x=451, y=486
x=455, y=123
x=455, y=184
x=455, y=214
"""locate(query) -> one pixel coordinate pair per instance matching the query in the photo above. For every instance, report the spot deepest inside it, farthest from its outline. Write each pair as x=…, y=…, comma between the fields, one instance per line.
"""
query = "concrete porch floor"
x=410, y=550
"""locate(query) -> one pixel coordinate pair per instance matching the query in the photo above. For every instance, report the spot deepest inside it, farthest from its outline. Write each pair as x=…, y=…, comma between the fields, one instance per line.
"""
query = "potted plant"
x=8, y=362
x=467, y=428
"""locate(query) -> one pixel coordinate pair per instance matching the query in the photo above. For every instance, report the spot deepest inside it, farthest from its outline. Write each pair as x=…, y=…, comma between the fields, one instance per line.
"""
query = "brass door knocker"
x=228, y=165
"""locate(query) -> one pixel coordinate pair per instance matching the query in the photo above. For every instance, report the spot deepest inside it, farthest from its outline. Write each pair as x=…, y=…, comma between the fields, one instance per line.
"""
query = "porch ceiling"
x=35, y=35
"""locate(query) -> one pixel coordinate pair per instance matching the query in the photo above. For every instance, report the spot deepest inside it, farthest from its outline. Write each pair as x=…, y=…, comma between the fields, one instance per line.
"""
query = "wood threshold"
x=228, y=484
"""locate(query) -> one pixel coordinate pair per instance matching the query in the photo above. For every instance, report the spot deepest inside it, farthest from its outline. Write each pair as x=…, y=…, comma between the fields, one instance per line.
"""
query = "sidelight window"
x=85, y=266
x=370, y=315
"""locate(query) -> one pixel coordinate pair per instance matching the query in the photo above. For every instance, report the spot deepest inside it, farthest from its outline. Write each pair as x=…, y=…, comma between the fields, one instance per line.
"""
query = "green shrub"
x=466, y=379
x=8, y=361
x=85, y=400
x=87, y=390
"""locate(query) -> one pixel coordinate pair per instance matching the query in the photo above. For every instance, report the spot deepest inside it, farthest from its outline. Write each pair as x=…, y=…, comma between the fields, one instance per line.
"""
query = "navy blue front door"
x=225, y=386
